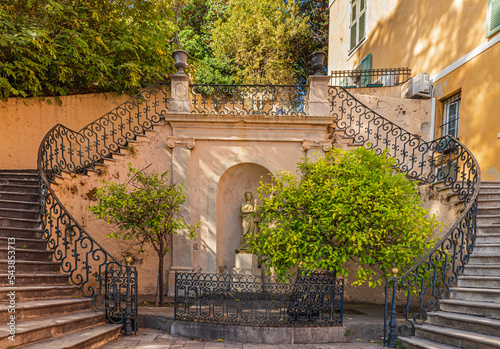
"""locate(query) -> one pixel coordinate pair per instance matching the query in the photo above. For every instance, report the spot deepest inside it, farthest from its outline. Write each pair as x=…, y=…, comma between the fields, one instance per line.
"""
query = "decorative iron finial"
x=395, y=272
x=128, y=260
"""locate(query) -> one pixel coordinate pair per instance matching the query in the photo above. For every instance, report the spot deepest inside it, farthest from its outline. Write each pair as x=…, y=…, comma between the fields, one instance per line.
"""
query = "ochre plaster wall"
x=23, y=127
x=427, y=36
x=479, y=83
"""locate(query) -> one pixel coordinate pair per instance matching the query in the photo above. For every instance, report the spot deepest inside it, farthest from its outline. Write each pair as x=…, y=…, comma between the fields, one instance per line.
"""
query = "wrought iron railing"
x=444, y=160
x=386, y=77
x=312, y=298
x=248, y=99
x=111, y=285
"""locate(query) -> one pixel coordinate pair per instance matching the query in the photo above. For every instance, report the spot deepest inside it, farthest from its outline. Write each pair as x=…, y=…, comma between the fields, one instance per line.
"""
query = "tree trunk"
x=160, y=279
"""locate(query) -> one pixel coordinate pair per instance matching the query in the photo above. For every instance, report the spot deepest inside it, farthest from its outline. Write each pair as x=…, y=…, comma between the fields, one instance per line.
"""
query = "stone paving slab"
x=157, y=339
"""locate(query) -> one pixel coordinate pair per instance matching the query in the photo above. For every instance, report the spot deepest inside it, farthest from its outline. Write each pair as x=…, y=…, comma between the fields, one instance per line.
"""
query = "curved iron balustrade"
x=248, y=99
x=111, y=285
x=312, y=298
x=444, y=160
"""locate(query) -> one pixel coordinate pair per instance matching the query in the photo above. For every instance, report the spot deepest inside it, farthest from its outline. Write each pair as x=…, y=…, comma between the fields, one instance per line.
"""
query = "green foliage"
x=349, y=205
x=261, y=38
x=54, y=48
x=146, y=210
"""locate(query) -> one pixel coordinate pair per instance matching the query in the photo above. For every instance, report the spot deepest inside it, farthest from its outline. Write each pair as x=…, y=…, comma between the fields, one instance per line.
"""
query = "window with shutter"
x=357, y=23
x=493, y=17
x=451, y=115
x=366, y=64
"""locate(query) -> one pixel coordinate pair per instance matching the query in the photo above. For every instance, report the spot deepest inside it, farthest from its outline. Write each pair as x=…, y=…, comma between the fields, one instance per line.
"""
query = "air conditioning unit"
x=417, y=87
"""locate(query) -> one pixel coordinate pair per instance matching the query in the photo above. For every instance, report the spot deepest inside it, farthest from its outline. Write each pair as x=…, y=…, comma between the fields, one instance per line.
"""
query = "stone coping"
x=369, y=325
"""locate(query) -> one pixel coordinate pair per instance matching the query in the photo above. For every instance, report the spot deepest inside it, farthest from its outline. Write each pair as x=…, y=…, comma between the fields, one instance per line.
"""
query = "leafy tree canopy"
x=262, y=38
x=349, y=205
x=146, y=209
x=59, y=47
x=56, y=47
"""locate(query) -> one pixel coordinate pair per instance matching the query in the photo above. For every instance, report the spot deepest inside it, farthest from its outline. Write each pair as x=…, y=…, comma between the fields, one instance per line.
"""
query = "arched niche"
x=231, y=189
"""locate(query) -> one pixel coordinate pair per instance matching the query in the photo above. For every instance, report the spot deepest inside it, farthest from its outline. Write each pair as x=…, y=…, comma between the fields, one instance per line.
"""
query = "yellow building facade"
x=455, y=41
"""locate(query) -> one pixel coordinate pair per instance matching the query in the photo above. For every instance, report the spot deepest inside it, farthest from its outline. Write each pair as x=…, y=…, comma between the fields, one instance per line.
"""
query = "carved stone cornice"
x=172, y=142
x=325, y=145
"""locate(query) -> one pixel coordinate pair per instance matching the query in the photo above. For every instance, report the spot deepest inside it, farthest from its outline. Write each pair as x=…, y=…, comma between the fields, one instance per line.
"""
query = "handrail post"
x=392, y=323
x=175, y=295
x=128, y=302
x=385, y=310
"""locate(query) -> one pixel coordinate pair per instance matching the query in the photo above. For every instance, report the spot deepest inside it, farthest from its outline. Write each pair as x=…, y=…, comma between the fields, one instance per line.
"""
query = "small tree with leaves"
x=348, y=205
x=145, y=209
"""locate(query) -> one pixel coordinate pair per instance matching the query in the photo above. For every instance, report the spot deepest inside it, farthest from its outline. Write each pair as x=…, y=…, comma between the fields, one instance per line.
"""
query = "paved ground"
x=155, y=339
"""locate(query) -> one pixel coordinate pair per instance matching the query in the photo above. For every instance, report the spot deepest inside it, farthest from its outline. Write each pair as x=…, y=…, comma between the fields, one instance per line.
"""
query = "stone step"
x=488, y=211
x=488, y=229
x=479, y=281
x=490, y=248
x=19, y=175
x=11, y=188
x=49, y=327
x=46, y=307
x=35, y=278
x=475, y=294
x=21, y=233
x=486, y=309
x=488, y=203
x=20, y=213
x=457, y=338
x=465, y=322
x=30, y=266
x=488, y=196
x=420, y=343
x=39, y=292
x=488, y=219
x=20, y=205
x=23, y=243
x=25, y=197
x=488, y=188
x=89, y=338
x=31, y=182
x=27, y=254
x=488, y=238
x=19, y=222
x=486, y=258
x=482, y=270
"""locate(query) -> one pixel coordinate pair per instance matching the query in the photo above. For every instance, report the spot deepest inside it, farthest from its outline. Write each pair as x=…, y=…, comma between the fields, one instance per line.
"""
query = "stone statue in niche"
x=246, y=263
x=248, y=221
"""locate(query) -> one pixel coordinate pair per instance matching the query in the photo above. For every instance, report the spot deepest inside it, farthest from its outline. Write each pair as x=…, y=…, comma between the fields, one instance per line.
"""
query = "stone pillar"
x=181, y=171
x=179, y=103
x=317, y=103
x=312, y=147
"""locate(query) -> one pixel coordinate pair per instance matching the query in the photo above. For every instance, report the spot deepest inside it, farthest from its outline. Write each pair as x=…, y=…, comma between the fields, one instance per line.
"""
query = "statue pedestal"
x=246, y=264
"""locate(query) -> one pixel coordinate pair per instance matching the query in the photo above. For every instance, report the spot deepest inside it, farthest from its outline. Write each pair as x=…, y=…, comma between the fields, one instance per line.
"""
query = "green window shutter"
x=366, y=64
x=493, y=17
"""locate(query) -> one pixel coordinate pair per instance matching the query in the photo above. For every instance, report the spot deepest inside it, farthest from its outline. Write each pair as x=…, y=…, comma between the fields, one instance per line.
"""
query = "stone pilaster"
x=317, y=103
x=181, y=171
x=179, y=102
x=312, y=147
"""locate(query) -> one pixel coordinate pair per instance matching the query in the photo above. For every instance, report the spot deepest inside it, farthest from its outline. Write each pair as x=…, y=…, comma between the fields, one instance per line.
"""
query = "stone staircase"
x=470, y=317
x=49, y=312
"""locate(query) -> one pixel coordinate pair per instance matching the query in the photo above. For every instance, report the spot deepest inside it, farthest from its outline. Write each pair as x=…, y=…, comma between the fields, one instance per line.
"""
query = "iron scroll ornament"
x=444, y=160
x=248, y=99
x=312, y=298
